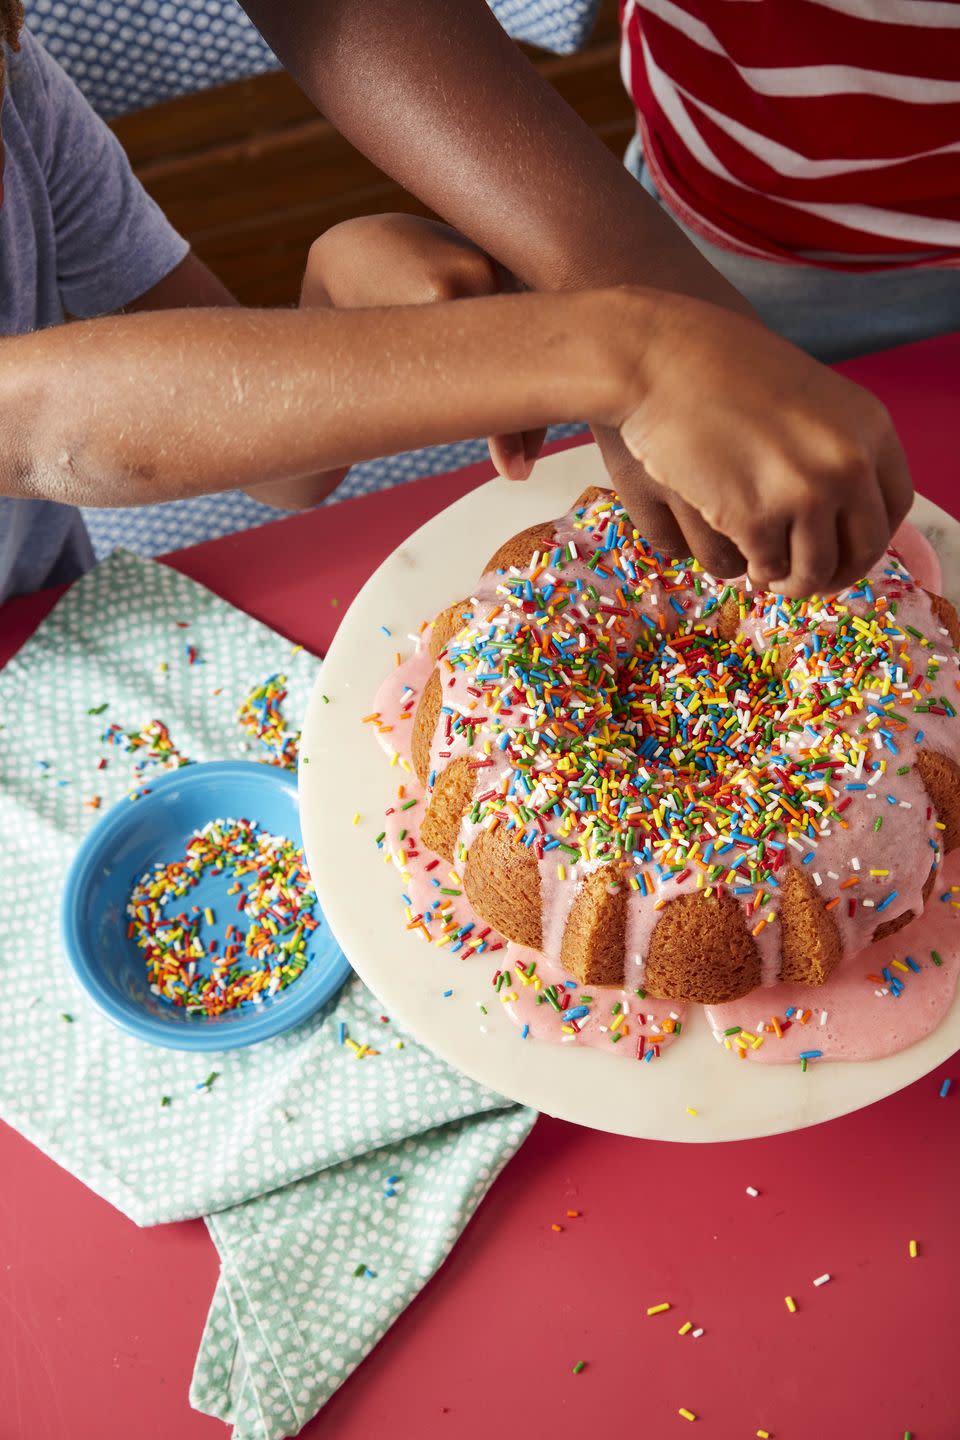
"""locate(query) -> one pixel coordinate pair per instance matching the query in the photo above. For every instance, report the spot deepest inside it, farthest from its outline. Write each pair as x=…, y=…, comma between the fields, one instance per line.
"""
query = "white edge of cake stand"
x=347, y=773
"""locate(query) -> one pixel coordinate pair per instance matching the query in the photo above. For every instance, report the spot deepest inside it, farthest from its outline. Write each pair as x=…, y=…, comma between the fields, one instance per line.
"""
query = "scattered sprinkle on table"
x=790, y=1303
x=658, y=1309
x=580, y=1366
x=945, y=1089
x=913, y=1250
x=751, y=1191
x=686, y=1414
x=390, y=1186
x=821, y=1280
x=360, y=1052
x=151, y=745
x=261, y=715
x=209, y=1082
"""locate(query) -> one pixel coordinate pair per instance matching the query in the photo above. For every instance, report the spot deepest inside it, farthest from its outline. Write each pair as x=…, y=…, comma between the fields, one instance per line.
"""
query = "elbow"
x=35, y=459
x=20, y=460
x=42, y=454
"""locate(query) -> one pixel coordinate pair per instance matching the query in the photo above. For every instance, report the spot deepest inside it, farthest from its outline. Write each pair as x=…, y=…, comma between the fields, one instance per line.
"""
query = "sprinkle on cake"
x=644, y=731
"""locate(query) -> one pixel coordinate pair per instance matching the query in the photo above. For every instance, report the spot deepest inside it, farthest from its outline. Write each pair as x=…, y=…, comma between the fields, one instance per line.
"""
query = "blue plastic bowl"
x=134, y=836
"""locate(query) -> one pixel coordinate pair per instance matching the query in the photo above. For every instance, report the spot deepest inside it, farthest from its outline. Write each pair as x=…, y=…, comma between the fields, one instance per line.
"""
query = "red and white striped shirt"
x=822, y=132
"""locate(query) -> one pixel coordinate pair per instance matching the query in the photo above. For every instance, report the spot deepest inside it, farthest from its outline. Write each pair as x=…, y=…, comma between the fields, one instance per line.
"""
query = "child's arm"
x=396, y=258
x=378, y=260
x=193, y=285
x=438, y=96
x=155, y=406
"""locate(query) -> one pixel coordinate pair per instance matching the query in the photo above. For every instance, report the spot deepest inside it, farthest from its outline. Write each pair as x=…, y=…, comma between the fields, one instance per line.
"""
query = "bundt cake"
x=676, y=784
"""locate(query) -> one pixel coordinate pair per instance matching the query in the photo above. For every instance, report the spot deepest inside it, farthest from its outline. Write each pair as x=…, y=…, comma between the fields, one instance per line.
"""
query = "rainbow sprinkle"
x=151, y=744
x=649, y=740
x=185, y=964
x=622, y=710
x=261, y=715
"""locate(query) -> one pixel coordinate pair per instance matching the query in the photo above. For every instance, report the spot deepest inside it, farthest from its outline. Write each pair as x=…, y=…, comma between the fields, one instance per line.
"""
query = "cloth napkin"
x=286, y=1147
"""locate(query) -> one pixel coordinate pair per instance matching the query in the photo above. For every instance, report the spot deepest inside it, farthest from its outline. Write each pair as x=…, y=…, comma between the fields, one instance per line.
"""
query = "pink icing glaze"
x=864, y=1021
x=843, y=1036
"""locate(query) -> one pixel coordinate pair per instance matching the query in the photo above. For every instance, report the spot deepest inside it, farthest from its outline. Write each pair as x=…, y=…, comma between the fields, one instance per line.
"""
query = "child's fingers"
x=813, y=554
x=896, y=486
x=864, y=531
x=656, y=522
x=716, y=553
x=644, y=501
x=768, y=552
x=533, y=443
x=514, y=455
x=508, y=455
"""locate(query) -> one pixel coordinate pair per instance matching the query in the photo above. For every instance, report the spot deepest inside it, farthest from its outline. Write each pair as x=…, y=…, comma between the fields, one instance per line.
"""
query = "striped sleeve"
x=819, y=132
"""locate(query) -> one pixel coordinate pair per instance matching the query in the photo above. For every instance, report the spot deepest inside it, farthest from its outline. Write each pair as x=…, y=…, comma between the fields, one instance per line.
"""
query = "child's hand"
x=403, y=260
x=745, y=435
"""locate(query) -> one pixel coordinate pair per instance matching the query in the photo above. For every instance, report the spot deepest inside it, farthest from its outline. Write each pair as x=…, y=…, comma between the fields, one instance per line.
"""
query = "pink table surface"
x=100, y=1321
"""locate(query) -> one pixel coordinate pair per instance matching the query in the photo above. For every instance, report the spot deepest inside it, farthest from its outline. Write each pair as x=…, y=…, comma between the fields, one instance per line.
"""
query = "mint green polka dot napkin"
x=312, y=1276
x=285, y=1147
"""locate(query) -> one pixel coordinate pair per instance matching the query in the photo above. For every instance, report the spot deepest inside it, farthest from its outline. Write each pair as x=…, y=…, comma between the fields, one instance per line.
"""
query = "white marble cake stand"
x=360, y=895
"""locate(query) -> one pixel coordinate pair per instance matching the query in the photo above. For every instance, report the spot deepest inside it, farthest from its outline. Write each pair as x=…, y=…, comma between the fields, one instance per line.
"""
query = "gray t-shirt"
x=79, y=236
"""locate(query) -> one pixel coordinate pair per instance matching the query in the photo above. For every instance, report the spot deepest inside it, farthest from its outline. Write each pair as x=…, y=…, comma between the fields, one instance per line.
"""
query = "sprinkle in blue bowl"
x=154, y=829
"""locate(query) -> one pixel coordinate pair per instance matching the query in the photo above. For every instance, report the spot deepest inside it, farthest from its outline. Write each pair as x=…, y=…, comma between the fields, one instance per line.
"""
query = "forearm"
x=158, y=406
x=440, y=97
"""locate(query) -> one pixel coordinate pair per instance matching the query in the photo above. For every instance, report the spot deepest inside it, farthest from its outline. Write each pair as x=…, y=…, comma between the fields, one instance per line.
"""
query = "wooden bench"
x=251, y=174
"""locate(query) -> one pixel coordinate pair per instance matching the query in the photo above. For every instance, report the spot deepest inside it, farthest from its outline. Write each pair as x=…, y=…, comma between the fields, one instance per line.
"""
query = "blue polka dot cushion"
x=125, y=54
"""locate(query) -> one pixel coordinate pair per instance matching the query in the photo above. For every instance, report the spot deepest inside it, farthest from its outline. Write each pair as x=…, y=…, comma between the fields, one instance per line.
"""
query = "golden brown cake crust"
x=946, y=615
x=424, y=724
x=701, y=950
x=890, y=927
x=593, y=940
x=520, y=549
x=941, y=780
x=809, y=939
x=501, y=879
x=449, y=802
x=446, y=625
